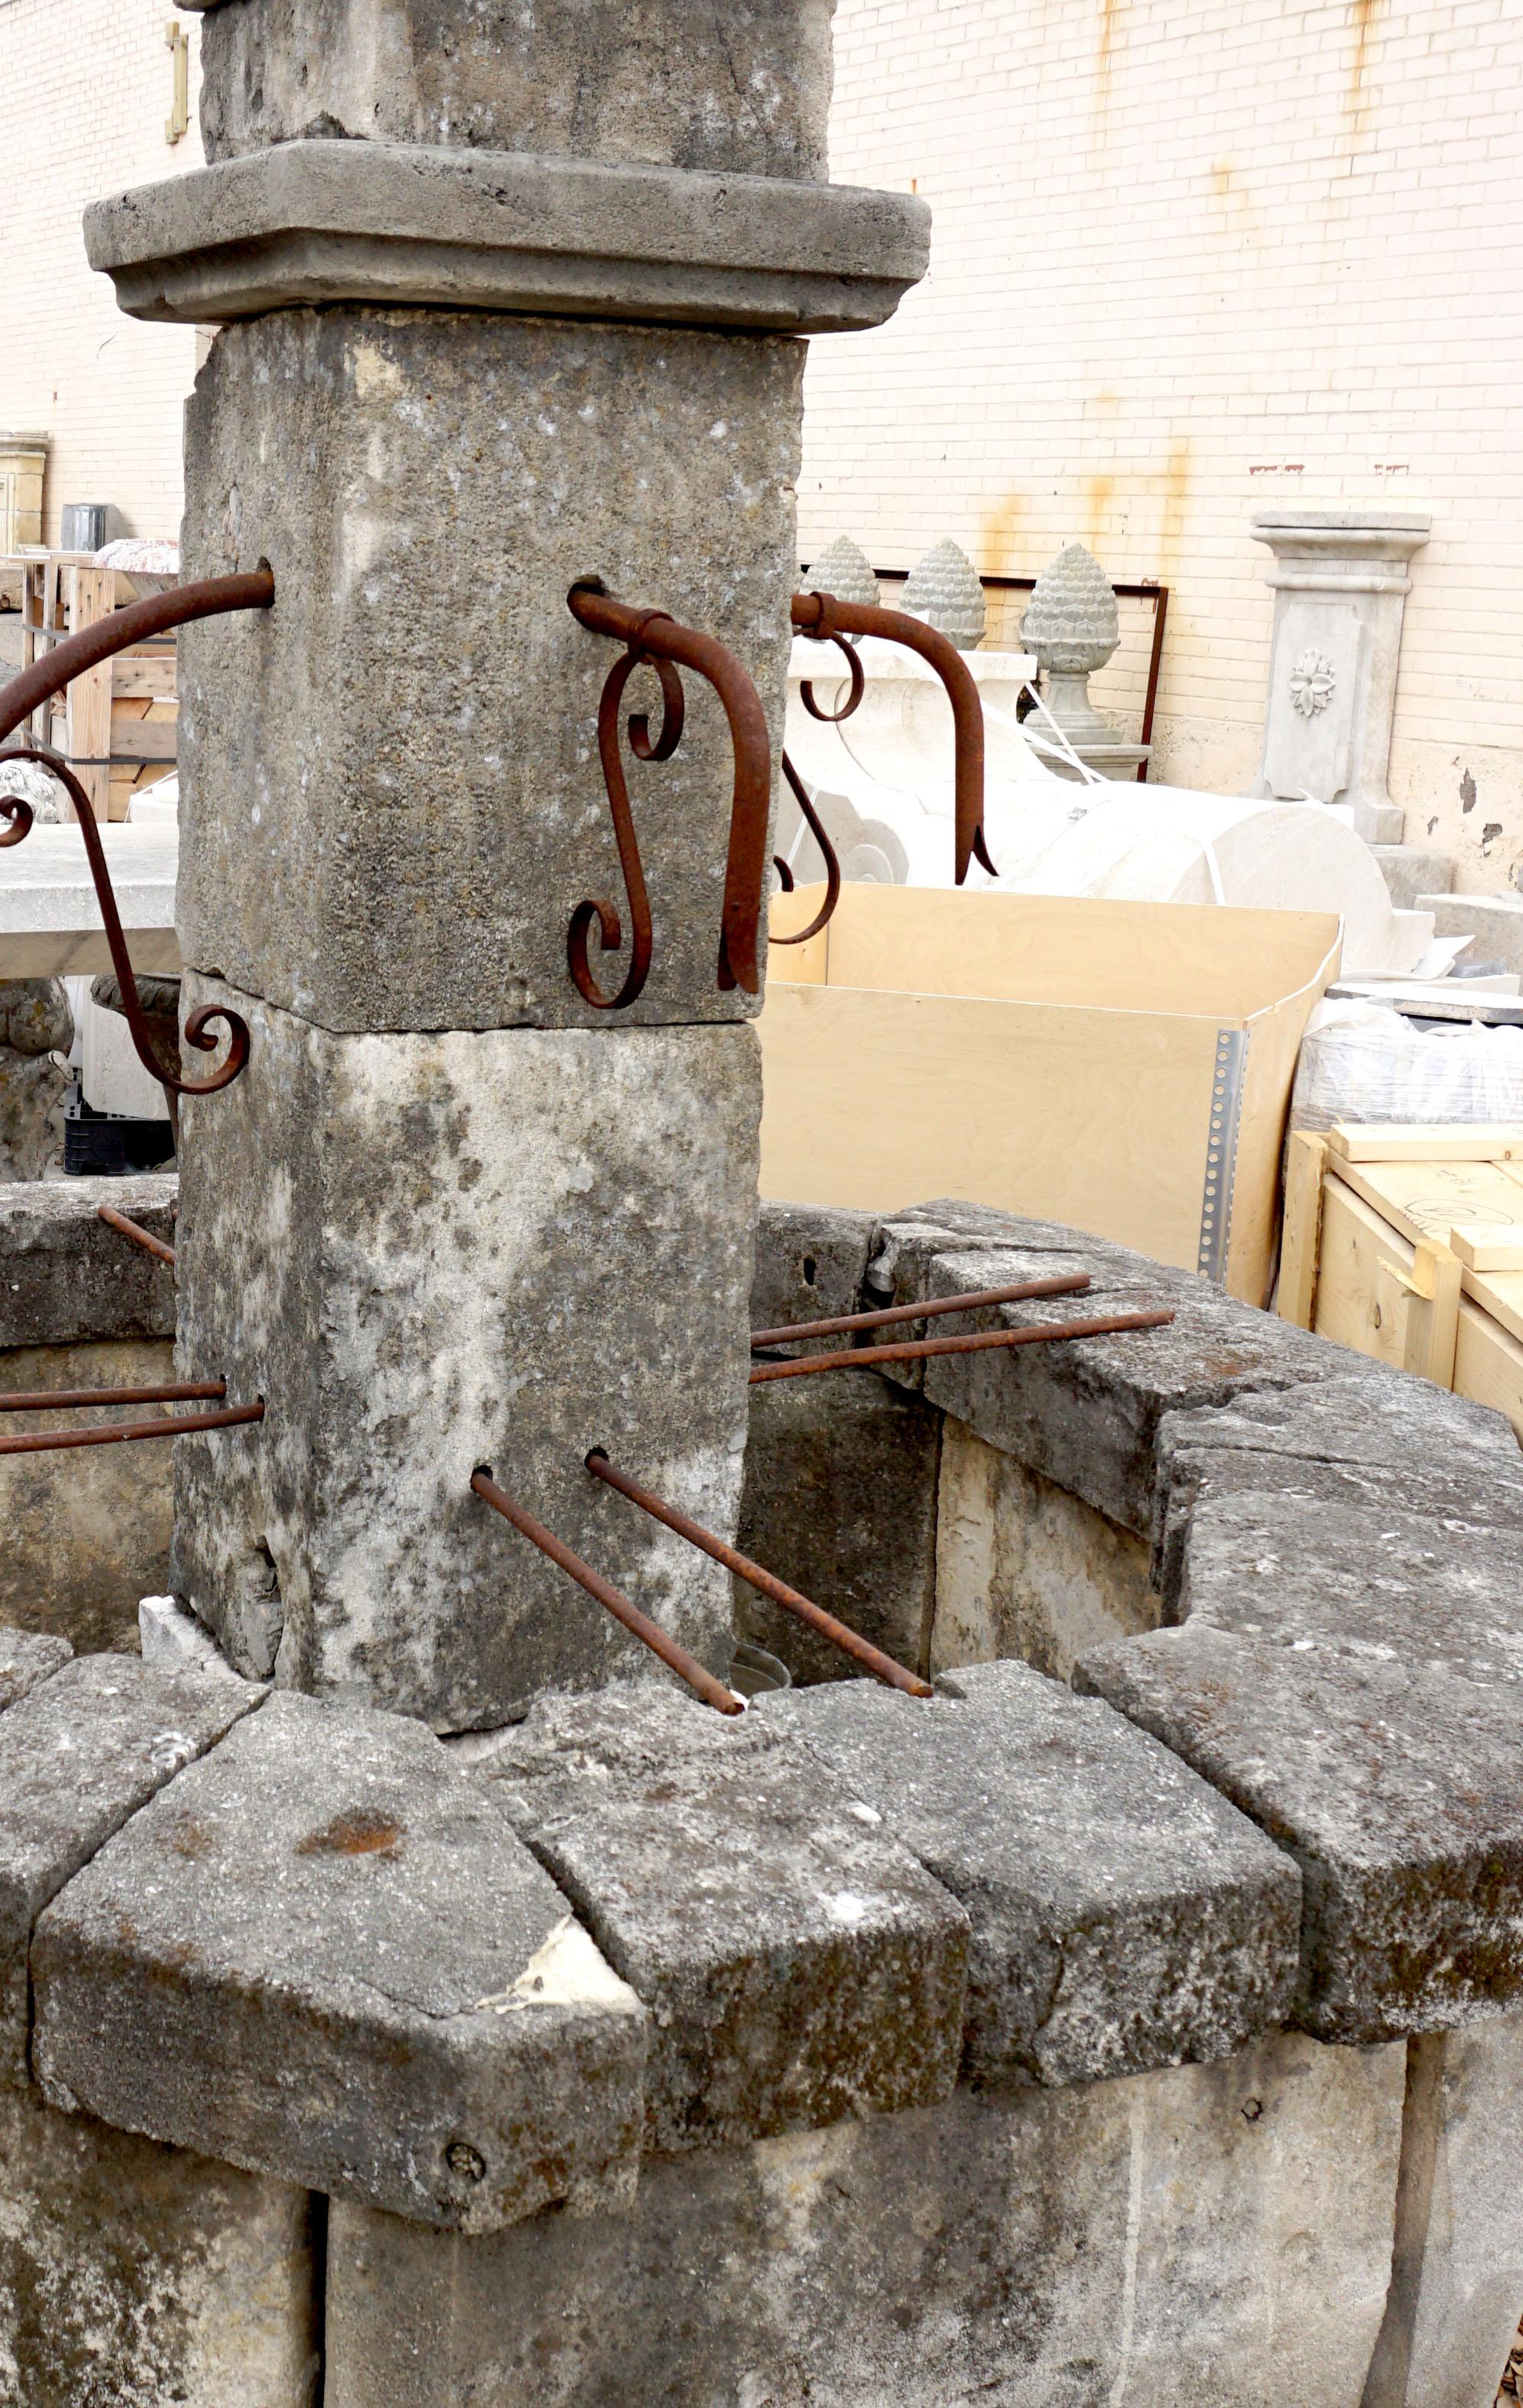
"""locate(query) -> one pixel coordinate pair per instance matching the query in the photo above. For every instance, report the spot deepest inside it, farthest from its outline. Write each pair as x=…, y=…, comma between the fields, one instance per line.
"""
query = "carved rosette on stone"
x=508, y=299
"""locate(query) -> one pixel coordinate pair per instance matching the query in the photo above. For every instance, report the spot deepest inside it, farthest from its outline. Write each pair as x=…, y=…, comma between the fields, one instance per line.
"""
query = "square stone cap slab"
x=320, y=220
x=323, y=1954
x=1124, y=1916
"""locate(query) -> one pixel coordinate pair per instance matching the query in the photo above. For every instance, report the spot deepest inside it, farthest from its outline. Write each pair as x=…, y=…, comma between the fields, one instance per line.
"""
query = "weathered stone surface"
x=414, y=722
x=431, y=1252
x=1374, y=1437
x=798, y=1965
x=1211, y=2237
x=323, y=1954
x=1021, y=1567
x=1085, y=1414
x=86, y=1531
x=133, y=2276
x=1457, y=2274
x=171, y=1638
x=672, y=86
x=1123, y=1916
x=27, y=1657
x=65, y=1276
x=313, y=222
x=34, y=1021
x=1375, y=1586
x=34, y=1015
x=811, y=1260
x=1401, y=1797
x=839, y=1500
x=79, y=1755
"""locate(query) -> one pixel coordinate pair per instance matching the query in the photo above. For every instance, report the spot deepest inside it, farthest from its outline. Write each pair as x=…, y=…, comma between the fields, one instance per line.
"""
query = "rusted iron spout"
x=53, y=1400
x=133, y=1229
x=826, y=618
x=169, y=1426
x=655, y=637
x=861, y=1651
x=886, y=1316
x=867, y=1358
x=671, y=1652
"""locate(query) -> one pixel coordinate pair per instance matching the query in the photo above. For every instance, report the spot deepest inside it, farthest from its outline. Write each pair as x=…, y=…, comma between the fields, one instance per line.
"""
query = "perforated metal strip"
x=1222, y=1152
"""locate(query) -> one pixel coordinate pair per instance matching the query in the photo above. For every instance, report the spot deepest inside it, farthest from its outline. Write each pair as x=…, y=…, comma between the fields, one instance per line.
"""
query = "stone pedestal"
x=1341, y=582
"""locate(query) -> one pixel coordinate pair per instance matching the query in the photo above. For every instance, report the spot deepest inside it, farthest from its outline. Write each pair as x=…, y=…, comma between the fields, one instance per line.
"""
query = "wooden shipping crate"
x=1407, y=1243
x=115, y=724
x=1123, y=1067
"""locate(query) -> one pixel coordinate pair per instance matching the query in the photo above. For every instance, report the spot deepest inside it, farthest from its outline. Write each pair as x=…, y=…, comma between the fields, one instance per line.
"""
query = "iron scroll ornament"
x=207, y=598
x=652, y=637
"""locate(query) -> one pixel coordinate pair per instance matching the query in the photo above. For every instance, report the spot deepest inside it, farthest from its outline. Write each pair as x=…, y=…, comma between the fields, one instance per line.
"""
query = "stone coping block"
x=812, y=1261
x=322, y=1954
x=1399, y=1793
x=26, y=1657
x=66, y=1277
x=798, y=1964
x=312, y=222
x=1123, y=1916
x=80, y=1754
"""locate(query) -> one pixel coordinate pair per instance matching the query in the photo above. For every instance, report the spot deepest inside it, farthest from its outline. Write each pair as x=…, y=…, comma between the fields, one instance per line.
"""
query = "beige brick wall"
x=87, y=88
x=1193, y=258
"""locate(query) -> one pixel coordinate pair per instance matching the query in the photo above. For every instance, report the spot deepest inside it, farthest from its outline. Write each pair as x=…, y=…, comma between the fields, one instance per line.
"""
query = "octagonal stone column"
x=508, y=301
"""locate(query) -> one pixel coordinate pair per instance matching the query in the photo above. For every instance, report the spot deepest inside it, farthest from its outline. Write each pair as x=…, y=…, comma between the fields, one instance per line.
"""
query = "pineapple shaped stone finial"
x=943, y=590
x=844, y=569
x=1071, y=623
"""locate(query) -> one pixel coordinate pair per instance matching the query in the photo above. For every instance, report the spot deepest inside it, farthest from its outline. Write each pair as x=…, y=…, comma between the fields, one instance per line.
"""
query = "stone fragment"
x=671, y=87
x=1375, y=1586
x=1399, y=1794
x=1367, y=1437
x=1123, y=1915
x=26, y=1657
x=65, y=1276
x=798, y=1965
x=175, y=1642
x=811, y=1260
x=840, y=1500
x=460, y=471
x=322, y=1954
x=1457, y=2281
x=501, y=1249
x=33, y=1091
x=79, y=1755
x=1209, y=2237
x=1021, y=1567
x=86, y=1529
x=132, y=2276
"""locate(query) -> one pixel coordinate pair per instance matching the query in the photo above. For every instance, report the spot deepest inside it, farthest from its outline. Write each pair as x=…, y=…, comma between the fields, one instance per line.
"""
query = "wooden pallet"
x=115, y=724
x=1406, y=1243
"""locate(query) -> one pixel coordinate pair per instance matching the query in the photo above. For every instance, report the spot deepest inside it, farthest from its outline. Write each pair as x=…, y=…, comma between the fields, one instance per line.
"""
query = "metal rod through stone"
x=1072, y=1283
x=672, y=1654
x=133, y=1229
x=53, y=1400
x=167, y=1425
x=839, y=1634
x=865, y=1358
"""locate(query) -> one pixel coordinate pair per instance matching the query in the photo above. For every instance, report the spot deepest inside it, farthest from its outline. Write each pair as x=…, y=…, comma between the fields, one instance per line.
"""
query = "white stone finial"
x=943, y=589
x=1071, y=623
x=844, y=569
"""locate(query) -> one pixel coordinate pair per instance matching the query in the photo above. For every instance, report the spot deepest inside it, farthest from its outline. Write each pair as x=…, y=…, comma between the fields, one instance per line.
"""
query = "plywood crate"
x=1406, y=1243
x=1123, y=1066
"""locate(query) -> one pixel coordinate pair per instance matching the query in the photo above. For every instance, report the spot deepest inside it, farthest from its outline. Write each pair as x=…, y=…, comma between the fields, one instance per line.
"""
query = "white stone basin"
x=50, y=920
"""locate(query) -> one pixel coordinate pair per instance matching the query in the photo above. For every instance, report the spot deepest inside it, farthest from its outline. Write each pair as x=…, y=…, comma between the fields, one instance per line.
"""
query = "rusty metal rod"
x=135, y=1230
x=672, y=1654
x=838, y=1633
x=1070, y=1284
x=53, y=1400
x=167, y=1425
x=206, y=598
x=864, y=1359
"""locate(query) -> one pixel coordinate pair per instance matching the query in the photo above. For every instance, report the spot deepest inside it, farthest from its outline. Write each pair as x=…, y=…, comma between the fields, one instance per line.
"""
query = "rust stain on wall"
x=1100, y=491
x=1176, y=495
x=1366, y=14
x=1110, y=20
x=1001, y=533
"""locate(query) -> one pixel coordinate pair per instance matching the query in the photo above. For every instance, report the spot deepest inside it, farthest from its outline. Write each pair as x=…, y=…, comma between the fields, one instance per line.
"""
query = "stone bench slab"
x=1123, y=1916
x=323, y=1954
x=799, y=1965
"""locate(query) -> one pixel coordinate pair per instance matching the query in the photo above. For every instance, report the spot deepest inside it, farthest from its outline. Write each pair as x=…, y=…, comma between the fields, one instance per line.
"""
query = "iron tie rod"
x=864, y=1359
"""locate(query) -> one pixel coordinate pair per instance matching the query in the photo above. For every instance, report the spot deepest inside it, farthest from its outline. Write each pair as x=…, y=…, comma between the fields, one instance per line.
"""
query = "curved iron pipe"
x=832, y=860
x=663, y=638
x=205, y=598
x=200, y=1023
x=825, y=617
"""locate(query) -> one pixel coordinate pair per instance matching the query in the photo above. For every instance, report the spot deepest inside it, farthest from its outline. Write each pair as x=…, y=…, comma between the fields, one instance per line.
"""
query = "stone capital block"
x=431, y=1254
x=666, y=83
x=392, y=803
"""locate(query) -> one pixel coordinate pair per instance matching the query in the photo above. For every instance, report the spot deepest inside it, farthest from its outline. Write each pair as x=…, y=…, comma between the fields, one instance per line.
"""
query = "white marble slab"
x=50, y=920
